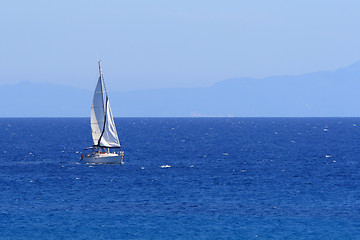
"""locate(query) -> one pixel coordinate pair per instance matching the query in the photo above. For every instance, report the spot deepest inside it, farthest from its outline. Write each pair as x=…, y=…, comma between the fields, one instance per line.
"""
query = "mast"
x=100, y=72
x=102, y=82
x=103, y=103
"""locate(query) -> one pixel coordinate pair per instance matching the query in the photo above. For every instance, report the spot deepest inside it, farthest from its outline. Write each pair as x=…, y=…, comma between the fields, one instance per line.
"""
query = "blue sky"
x=168, y=44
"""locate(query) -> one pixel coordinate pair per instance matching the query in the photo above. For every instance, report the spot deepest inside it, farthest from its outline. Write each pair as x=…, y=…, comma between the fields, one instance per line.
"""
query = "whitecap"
x=165, y=166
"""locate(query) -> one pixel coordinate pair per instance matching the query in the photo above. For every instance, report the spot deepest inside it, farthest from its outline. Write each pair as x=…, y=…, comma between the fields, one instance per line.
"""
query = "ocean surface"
x=227, y=178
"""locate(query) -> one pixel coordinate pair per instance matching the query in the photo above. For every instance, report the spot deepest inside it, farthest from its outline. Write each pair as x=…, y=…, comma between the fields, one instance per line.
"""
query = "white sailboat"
x=103, y=129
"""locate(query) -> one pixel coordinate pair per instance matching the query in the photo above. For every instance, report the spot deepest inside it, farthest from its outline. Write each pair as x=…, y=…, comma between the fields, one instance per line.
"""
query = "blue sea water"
x=230, y=178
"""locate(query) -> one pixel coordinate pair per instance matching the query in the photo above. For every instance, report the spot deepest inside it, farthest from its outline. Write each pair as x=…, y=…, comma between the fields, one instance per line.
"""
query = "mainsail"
x=103, y=128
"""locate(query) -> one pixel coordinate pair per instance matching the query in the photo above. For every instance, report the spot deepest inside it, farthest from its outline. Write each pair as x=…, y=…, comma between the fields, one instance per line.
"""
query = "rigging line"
x=104, y=123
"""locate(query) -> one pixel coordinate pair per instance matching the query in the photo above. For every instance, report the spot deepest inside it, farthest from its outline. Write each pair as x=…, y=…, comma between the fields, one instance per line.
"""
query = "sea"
x=183, y=178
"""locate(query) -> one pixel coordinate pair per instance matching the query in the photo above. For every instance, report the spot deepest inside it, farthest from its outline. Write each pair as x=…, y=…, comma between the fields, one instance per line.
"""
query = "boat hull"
x=104, y=158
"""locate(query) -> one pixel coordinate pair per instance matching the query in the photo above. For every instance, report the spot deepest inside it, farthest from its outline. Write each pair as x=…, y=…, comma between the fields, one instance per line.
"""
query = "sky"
x=173, y=44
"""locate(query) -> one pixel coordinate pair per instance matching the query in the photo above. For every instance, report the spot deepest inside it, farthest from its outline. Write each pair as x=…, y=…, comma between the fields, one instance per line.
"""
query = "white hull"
x=104, y=158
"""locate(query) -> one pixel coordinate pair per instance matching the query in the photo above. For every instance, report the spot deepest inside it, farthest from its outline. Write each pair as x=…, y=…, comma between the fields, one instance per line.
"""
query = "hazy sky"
x=161, y=44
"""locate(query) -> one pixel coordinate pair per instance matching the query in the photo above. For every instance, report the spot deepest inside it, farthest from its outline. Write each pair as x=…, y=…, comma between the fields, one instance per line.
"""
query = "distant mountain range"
x=319, y=94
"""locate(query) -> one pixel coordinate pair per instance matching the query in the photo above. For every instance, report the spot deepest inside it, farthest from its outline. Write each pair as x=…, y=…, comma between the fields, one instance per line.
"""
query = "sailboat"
x=103, y=129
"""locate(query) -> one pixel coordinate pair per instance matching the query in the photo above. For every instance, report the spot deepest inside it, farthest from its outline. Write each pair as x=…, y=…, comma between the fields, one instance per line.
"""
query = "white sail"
x=109, y=137
x=97, y=112
x=103, y=128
